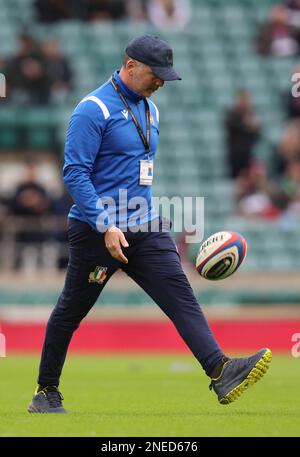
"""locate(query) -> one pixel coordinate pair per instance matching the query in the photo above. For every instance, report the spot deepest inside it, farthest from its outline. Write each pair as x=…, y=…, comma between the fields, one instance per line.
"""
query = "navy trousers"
x=154, y=264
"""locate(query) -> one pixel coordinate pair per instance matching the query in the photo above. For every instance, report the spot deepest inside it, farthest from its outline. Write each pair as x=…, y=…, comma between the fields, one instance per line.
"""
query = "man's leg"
x=156, y=267
x=87, y=252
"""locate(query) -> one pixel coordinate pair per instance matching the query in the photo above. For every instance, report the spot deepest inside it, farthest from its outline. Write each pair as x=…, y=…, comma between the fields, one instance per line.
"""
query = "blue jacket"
x=102, y=158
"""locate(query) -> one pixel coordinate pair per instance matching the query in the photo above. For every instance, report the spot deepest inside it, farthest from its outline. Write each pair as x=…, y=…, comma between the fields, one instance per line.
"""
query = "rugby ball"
x=221, y=255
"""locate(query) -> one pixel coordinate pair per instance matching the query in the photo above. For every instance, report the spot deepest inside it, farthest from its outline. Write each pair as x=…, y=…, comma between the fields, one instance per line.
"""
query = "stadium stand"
x=215, y=55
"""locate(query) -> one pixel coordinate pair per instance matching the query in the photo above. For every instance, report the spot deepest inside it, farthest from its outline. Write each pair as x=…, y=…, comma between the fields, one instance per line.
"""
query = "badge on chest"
x=146, y=172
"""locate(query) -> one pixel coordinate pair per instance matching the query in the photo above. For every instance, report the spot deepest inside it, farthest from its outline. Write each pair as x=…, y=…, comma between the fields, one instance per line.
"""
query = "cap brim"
x=165, y=73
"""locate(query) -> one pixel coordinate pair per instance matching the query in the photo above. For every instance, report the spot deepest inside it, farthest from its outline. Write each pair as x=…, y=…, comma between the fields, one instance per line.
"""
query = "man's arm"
x=83, y=142
x=84, y=139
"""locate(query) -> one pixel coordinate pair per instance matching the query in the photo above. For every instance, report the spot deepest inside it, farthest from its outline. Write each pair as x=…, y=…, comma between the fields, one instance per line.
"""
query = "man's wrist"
x=111, y=228
x=104, y=228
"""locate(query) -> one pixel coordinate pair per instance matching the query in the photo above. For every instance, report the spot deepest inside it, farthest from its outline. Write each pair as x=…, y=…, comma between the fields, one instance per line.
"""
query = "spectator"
x=290, y=181
x=289, y=187
x=256, y=196
x=277, y=37
x=53, y=10
x=106, y=10
x=27, y=74
x=242, y=129
x=3, y=211
x=30, y=198
x=58, y=71
x=288, y=149
x=293, y=5
x=293, y=8
x=169, y=13
x=292, y=212
x=136, y=10
x=2, y=64
x=31, y=203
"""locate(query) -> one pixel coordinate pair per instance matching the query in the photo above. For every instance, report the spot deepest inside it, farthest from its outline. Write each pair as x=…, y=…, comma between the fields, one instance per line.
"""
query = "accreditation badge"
x=146, y=172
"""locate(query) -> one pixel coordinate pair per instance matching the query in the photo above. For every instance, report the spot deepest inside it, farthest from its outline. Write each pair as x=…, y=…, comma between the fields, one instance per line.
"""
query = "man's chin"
x=150, y=92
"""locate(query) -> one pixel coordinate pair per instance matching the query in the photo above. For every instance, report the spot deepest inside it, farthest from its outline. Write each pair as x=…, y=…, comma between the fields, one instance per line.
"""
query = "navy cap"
x=155, y=53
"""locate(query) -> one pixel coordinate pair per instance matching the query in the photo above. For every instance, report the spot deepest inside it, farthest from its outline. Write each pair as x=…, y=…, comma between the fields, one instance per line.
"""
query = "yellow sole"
x=257, y=372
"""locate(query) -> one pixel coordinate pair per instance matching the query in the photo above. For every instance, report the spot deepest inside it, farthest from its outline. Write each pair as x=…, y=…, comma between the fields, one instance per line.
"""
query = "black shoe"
x=239, y=374
x=47, y=400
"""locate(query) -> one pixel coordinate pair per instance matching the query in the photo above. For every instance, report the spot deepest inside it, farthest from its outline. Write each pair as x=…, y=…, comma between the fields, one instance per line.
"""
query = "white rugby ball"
x=220, y=255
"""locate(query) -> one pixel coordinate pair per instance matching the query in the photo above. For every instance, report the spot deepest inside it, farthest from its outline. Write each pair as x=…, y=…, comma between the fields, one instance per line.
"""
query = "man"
x=111, y=142
x=242, y=129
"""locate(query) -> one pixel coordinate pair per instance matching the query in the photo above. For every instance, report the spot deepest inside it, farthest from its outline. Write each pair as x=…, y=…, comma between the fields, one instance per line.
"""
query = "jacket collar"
x=129, y=93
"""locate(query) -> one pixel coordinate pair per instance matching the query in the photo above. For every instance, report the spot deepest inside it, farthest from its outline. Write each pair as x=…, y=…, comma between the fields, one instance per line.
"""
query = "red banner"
x=155, y=336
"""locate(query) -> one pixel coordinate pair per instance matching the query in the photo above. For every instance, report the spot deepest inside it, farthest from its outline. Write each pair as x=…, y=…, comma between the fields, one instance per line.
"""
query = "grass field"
x=148, y=396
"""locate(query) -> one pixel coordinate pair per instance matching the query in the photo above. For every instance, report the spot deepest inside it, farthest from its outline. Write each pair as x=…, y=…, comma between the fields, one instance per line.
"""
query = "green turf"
x=148, y=396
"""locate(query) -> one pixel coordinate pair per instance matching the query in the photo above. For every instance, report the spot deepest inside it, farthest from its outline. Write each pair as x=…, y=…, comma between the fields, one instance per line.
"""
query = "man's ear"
x=130, y=65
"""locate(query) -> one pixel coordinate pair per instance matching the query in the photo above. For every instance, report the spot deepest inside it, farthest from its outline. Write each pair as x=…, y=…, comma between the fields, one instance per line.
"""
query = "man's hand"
x=114, y=238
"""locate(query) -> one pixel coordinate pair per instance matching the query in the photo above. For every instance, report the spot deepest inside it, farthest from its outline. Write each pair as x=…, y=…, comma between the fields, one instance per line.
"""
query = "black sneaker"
x=239, y=374
x=47, y=400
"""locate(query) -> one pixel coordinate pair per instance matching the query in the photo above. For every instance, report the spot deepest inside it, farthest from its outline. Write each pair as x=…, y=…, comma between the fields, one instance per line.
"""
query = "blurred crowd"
x=33, y=223
x=38, y=74
x=265, y=189
x=268, y=189
x=280, y=34
x=162, y=13
x=32, y=220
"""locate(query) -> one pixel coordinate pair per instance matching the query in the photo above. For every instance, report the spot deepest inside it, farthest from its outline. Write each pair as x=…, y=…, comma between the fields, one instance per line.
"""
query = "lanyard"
x=145, y=140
